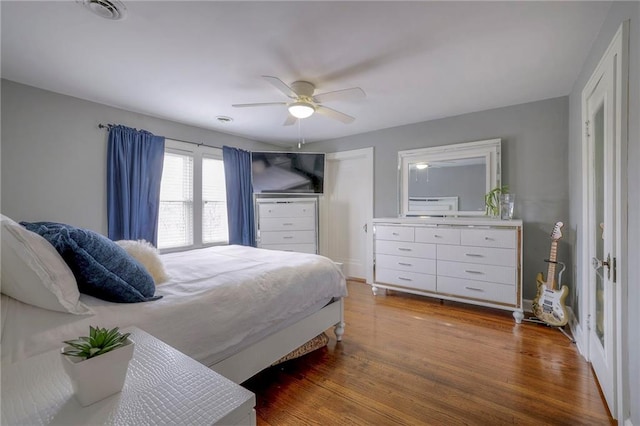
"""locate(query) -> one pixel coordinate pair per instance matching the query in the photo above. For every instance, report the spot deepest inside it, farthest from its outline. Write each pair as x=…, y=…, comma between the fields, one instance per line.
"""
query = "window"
x=175, y=223
x=192, y=176
x=215, y=228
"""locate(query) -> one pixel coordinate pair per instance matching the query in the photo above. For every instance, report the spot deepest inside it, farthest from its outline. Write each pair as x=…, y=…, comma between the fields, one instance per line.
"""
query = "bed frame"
x=246, y=363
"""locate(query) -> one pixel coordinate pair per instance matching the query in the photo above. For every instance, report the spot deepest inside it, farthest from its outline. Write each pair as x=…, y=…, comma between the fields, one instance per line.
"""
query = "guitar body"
x=549, y=305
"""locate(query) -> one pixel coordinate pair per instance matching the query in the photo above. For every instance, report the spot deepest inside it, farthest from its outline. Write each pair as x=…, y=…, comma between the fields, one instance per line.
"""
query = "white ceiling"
x=189, y=61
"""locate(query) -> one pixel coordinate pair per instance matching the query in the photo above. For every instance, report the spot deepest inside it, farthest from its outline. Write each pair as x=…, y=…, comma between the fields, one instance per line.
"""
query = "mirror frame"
x=489, y=149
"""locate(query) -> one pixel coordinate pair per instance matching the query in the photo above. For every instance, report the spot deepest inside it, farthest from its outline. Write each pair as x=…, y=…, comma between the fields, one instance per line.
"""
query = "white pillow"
x=34, y=273
x=145, y=253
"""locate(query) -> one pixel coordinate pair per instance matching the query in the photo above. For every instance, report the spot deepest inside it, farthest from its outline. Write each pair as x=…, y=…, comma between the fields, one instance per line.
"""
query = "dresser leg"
x=518, y=316
x=339, y=331
x=374, y=289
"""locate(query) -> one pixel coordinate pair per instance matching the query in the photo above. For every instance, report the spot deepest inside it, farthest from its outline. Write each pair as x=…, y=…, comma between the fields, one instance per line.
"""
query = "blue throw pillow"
x=101, y=267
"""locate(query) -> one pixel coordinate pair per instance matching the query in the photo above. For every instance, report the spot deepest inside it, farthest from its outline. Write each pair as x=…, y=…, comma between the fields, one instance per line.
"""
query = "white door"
x=603, y=234
x=602, y=244
x=348, y=211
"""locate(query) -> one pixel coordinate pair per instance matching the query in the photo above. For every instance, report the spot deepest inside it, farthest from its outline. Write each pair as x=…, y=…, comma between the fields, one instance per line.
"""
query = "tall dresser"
x=289, y=224
x=477, y=261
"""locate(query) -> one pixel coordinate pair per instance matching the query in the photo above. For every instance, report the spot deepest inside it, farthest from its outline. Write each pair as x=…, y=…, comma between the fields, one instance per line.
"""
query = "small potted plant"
x=492, y=200
x=97, y=364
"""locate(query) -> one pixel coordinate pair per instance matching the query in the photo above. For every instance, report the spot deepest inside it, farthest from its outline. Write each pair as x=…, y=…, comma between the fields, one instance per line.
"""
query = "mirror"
x=448, y=180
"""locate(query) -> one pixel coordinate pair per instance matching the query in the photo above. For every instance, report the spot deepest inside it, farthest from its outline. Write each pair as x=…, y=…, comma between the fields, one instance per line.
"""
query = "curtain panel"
x=134, y=173
x=237, y=173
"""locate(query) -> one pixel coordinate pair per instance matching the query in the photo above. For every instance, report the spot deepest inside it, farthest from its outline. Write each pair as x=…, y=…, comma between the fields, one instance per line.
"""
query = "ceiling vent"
x=107, y=9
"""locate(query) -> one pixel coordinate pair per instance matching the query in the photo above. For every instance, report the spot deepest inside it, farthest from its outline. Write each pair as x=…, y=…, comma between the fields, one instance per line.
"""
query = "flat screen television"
x=287, y=172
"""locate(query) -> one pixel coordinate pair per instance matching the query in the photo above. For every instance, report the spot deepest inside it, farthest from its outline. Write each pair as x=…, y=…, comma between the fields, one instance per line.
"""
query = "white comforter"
x=218, y=301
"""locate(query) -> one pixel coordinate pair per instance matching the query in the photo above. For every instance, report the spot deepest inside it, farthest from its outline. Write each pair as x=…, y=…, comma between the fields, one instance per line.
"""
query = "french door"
x=604, y=115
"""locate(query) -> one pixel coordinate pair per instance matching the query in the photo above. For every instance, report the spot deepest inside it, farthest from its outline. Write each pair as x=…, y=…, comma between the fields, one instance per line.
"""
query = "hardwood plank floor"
x=412, y=360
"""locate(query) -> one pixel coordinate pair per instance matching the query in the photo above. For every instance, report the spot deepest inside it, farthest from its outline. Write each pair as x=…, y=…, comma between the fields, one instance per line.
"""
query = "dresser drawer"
x=394, y=233
x=490, y=292
x=406, y=279
x=300, y=248
x=288, y=237
x=501, y=238
x=437, y=235
x=401, y=248
x=288, y=223
x=296, y=209
x=401, y=263
x=482, y=255
x=478, y=272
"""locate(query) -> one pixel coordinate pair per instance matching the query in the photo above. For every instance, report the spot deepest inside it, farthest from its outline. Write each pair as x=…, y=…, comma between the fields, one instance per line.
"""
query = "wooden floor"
x=412, y=360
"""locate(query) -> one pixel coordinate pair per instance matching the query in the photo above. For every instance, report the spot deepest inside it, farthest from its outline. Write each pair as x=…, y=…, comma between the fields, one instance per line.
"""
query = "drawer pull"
x=287, y=224
x=473, y=288
x=395, y=233
x=404, y=249
x=488, y=238
x=405, y=279
x=404, y=264
x=437, y=236
x=473, y=255
x=287, y=238
x=473, y=272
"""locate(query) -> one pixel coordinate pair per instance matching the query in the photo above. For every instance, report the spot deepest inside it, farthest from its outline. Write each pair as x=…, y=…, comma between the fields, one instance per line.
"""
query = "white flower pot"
x=96, y=378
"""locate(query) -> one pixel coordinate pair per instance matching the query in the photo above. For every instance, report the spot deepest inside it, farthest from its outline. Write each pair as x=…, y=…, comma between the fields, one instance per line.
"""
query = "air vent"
x=107, y=9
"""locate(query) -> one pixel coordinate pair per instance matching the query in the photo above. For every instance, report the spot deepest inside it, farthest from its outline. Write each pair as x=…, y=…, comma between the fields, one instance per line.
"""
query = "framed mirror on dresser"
x=449, y=180
x=442, y=244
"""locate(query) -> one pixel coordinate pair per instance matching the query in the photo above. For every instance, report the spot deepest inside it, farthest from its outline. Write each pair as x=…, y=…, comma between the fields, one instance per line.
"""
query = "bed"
x=235, y=309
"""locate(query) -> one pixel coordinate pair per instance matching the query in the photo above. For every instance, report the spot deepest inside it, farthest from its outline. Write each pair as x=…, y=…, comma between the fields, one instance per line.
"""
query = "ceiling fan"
x=305, y=103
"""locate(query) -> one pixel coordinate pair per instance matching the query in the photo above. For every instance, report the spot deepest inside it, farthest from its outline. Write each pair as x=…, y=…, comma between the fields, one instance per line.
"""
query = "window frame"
x=198, y=152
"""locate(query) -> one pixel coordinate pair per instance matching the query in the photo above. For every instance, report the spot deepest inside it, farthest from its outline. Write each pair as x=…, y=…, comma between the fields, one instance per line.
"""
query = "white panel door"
x=347, y=211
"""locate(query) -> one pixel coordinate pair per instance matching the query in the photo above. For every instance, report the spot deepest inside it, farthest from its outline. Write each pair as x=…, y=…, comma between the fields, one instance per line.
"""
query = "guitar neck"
x=551, y=271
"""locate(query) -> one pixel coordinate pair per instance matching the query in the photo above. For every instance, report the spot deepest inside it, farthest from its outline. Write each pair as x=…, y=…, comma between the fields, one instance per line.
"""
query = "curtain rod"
x=108, y=126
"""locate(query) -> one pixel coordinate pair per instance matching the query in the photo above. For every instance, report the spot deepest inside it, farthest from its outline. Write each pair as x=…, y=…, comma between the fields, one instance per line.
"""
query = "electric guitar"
x=549, y=305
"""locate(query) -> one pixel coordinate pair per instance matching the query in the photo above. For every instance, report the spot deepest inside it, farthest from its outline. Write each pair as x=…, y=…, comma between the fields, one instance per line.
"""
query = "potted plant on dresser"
x=97, y=364
x=492, y=200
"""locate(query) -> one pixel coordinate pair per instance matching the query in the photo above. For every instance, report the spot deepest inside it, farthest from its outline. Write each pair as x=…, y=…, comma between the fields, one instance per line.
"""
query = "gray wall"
x=534, y=158
x=54, y=156
x=619, y=12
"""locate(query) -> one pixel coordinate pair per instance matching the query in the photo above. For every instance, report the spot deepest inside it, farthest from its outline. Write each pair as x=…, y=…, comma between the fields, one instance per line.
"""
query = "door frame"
x=618, y=51
x=325, y=205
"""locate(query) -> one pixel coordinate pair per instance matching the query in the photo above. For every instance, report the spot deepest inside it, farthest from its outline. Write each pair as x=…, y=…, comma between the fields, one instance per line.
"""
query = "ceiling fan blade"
x=290, y=121
x=344, y=94
x=336, y=115
x=258, y=104
x=280, y=85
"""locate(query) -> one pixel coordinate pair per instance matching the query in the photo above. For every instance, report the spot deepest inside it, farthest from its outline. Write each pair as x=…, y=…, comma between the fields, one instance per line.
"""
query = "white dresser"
x=289, y=224
x=476, y=261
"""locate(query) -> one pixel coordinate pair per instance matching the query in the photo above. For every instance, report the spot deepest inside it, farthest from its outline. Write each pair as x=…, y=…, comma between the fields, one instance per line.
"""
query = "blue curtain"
x=237, y=173
x=134, y=172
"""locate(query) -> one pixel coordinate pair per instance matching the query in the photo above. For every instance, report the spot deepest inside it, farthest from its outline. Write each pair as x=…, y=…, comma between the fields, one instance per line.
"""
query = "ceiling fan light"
x=301, y=109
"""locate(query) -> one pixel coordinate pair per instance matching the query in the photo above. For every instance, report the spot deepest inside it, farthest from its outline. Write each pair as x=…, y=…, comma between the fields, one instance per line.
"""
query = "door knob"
x=597, y=264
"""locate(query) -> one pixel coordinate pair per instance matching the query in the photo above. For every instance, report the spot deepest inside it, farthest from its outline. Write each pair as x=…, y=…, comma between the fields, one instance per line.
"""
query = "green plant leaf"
x=99, y=341
x=492, y=200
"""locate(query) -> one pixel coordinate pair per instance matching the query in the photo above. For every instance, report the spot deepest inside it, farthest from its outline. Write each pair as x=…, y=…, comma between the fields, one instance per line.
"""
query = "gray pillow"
x=101, y=267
